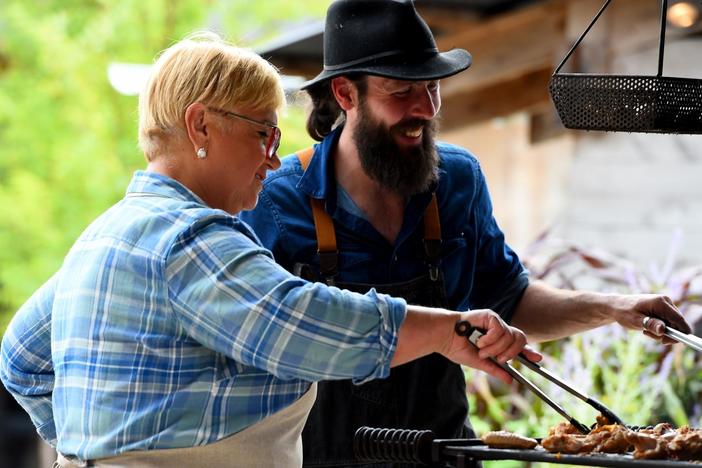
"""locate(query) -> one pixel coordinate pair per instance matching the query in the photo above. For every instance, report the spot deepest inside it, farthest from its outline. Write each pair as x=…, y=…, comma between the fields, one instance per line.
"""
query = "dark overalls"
x=428, y=393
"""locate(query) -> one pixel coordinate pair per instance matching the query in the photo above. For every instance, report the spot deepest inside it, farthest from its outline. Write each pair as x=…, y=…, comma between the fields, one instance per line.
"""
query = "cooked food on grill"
x=563, y=429
x=648, y=445
x=611, y=438
x=659, y=429
x=505, y=439
x=659, y=442
x=686, y=445
x=564, y=438
x=683, y=444
x=565, y=443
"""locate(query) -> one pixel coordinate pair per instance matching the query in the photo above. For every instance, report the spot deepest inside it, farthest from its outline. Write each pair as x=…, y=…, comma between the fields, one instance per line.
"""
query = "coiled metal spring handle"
x=393, y=445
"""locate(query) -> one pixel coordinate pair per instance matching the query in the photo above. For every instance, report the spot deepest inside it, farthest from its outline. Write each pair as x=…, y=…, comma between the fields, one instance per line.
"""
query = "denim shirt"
x=479, y=268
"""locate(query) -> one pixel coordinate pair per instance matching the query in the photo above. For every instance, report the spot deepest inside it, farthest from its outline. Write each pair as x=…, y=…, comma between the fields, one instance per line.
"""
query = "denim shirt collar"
x=318, y=180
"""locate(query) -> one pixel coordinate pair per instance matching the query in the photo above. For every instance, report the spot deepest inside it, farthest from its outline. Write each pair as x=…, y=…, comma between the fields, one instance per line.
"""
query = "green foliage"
x=67, y=138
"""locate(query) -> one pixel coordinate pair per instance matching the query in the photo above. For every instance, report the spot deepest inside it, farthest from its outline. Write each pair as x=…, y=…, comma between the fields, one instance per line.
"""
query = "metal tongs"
x=464, y=328
x=694, y=342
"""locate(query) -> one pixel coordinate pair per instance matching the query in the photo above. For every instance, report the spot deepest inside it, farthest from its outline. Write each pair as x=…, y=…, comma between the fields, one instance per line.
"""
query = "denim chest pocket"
x=355, y=259
x=457, y=257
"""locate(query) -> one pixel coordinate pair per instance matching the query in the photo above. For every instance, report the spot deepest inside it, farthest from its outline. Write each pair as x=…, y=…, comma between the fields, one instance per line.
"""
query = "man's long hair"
x=326, y=113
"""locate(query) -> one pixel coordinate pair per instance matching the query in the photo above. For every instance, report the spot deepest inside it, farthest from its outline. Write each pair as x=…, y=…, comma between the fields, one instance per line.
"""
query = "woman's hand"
x=500, y=341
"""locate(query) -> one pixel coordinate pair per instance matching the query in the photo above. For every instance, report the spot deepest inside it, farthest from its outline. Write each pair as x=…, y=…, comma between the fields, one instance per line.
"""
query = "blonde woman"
x=169, y=336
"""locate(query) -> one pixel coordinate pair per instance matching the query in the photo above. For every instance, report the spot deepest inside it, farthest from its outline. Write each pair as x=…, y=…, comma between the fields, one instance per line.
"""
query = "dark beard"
x=405, y=172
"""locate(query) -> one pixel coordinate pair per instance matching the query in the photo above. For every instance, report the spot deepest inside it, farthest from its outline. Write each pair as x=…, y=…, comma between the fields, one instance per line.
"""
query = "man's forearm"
x=545, y=313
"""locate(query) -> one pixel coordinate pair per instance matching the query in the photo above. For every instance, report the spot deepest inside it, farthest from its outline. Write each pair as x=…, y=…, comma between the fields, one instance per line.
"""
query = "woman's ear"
x=345, y=93
x=196, y=125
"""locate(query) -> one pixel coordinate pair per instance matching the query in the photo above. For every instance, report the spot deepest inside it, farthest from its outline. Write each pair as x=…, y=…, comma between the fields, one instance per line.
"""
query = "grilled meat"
x=563, y=428
x=686, y=445
x=565, y=443
x=660, y=442
x=505, y=439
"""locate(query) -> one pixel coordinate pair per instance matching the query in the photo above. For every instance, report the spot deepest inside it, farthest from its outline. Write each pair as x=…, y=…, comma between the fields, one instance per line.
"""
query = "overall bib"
x=428, y=393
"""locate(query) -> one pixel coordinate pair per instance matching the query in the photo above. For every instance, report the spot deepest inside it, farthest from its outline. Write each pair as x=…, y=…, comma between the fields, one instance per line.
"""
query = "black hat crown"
x=385, y=38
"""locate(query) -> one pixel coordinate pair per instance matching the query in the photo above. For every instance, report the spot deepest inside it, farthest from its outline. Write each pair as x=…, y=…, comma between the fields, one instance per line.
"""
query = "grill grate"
x=384, y=445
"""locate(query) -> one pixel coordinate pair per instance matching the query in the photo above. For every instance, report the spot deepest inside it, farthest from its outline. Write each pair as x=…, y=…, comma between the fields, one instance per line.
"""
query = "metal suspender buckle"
x=328, y=265
x=432, y=249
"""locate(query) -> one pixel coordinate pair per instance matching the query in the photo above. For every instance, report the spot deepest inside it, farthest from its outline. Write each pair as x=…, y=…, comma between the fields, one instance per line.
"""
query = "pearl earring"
x=201, y=153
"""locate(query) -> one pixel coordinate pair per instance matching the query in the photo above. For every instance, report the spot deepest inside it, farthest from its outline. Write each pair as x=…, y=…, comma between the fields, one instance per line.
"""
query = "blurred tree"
x=67, y=138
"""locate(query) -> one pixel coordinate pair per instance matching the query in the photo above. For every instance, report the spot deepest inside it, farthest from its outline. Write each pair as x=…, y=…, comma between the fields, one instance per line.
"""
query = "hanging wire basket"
x=628, y=103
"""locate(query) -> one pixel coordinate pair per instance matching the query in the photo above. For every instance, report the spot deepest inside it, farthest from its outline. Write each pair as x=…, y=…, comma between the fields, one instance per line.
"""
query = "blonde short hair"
x=202, y=68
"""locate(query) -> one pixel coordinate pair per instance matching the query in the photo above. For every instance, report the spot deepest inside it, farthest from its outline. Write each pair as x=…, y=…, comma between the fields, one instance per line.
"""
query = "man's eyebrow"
x=394, y=85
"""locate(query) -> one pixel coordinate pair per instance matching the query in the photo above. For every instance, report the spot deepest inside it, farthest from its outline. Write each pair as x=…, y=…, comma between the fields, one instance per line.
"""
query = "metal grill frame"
x=376, y=445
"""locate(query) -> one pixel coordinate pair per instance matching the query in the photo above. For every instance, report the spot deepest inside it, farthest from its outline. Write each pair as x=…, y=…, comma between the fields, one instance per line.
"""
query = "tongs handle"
x=464, y=328
x=692, y=341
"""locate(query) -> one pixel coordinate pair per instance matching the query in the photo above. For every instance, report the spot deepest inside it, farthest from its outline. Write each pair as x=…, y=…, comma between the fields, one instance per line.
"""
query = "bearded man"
x=378, y=203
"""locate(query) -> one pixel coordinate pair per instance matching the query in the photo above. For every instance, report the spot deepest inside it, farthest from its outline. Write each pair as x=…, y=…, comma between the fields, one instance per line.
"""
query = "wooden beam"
x=496, y=99
x=443, y=21
x=635, y=24
x=625, y=27
x=508, y=46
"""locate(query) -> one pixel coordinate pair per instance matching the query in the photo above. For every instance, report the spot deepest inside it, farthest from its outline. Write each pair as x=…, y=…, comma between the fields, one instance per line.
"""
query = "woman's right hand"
x=500, y=341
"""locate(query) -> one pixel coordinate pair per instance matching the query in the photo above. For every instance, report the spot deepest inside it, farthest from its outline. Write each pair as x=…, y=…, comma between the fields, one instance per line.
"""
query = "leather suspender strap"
x=432, y=225
x=324, y=226
x=432, y=237
x=326, y=235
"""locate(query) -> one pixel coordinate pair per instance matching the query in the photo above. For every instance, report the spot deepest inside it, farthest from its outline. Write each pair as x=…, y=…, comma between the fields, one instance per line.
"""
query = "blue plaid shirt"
x=168, y=325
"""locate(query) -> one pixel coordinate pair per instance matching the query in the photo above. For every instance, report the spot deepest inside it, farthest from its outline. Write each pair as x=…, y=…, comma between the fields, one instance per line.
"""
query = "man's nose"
x=426, y=104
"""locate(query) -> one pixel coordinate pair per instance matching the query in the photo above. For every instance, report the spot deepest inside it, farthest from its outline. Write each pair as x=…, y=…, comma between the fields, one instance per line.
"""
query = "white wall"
x=630, y=193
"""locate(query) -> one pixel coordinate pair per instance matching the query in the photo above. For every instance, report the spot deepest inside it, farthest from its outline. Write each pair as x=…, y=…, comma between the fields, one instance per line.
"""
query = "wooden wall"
x=527, y=181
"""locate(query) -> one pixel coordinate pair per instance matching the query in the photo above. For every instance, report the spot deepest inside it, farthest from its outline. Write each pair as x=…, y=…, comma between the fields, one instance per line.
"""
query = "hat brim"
x=438, y=66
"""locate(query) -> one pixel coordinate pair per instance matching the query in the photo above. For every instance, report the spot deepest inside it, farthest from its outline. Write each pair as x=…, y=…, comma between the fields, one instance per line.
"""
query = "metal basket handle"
x=661, y=42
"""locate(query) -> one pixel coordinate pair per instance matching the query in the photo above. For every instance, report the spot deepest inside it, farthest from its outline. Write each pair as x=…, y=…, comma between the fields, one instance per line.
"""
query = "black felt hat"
x=384, y=38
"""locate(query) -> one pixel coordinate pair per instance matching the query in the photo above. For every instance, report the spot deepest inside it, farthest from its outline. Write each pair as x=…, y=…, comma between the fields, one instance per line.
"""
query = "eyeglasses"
x=273, y=139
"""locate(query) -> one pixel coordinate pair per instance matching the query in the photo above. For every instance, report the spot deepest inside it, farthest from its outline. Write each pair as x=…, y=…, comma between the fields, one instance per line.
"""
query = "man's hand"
x=500, y=342
x=631, y=310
